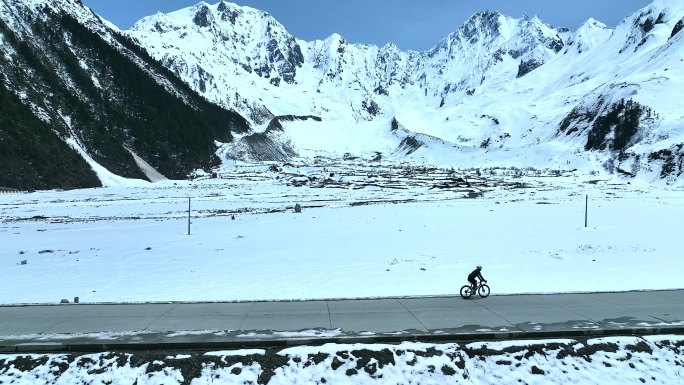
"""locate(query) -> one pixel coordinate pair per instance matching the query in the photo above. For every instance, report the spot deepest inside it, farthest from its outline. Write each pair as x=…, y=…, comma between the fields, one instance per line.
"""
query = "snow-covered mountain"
x=82, y=106
x=177, y=89
x=497, y=91
x=245, y=59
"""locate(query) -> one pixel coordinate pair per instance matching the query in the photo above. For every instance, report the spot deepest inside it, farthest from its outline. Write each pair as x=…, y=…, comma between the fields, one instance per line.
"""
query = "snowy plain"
x=366, y=230
x=382, y=230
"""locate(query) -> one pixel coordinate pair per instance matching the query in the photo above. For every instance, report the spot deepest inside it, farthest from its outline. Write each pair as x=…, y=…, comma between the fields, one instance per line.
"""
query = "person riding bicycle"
x=477, y=273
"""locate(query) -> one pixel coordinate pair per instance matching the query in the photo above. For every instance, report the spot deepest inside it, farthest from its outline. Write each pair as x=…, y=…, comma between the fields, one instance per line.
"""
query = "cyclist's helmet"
x=479, y=267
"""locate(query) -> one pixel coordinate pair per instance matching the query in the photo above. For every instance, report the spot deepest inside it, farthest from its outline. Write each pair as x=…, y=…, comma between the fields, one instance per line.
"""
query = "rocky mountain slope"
x=77, y=95
x=497, y=91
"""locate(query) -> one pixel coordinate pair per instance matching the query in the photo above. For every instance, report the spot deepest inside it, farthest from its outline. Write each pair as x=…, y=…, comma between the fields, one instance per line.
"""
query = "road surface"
x=263, y=324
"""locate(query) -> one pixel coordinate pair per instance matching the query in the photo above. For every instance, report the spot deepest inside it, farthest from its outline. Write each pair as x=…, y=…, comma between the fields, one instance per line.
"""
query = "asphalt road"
x=269, y=324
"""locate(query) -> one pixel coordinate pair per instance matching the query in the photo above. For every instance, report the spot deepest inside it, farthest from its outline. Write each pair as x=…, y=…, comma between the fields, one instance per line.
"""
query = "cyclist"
x=477, y=273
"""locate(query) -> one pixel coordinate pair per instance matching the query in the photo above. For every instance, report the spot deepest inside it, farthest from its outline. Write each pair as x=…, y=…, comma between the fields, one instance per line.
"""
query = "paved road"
x=251, y=324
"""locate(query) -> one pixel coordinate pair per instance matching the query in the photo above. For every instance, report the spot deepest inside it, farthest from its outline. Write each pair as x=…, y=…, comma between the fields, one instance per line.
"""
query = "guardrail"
x=8, y=191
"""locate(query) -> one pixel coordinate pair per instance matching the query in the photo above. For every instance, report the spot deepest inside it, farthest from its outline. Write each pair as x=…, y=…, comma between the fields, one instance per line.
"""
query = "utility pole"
x=586, y=209
x=189, y=215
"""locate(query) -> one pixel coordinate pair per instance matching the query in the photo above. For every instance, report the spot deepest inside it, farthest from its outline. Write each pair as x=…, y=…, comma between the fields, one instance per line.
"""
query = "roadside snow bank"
x=613, y=360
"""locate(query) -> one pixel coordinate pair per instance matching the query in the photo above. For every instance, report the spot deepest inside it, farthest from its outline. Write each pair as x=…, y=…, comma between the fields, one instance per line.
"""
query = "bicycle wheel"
x=466, y=291
x=483, y=291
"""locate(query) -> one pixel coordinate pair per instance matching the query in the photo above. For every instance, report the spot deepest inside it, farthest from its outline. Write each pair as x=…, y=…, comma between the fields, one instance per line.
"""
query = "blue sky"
x=411, y=24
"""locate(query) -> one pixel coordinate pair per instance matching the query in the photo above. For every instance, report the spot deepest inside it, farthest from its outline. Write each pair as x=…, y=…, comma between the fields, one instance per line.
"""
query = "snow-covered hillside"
x=497, y=91
x=77, y=96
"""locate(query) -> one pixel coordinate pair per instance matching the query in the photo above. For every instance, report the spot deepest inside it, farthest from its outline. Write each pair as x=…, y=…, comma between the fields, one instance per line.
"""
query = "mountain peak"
x=223, y=5
x=593, y=23
x=590, y=34
x=530, y=19
x=390, y=46
x=485, y=15
x=336, y=39
x=480, y=23
x=203, y=17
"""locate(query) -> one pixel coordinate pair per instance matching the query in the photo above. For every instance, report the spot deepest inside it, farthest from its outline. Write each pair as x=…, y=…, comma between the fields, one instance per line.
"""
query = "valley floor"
x=362, y=232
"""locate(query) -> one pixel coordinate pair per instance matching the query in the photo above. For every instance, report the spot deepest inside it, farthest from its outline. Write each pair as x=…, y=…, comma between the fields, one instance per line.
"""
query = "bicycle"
x=482, y=290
